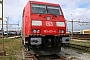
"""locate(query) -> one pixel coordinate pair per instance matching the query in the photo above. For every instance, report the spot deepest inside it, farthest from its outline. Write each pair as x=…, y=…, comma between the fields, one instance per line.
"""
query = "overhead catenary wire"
x=68, y=2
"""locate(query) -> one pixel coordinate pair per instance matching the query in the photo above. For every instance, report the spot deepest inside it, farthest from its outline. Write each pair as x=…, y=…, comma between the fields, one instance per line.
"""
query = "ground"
x=75, y=55
x=13, y=48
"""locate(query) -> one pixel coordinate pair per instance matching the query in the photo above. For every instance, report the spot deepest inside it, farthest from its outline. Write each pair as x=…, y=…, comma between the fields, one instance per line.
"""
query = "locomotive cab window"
x=38, y=8
x=54, y=10
x=43, y=9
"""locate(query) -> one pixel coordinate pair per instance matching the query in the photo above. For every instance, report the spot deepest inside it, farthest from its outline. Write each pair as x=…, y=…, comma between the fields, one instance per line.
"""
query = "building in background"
x=86, y=31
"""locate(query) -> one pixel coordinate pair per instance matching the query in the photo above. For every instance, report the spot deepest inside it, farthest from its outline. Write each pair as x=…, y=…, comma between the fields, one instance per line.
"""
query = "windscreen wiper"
x=51, y=12
x=42, y=12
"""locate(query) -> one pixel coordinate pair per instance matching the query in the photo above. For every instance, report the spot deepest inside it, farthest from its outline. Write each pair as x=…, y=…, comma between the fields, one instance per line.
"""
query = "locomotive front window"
x=43, y=9
x=54, y=10
x=38, y=8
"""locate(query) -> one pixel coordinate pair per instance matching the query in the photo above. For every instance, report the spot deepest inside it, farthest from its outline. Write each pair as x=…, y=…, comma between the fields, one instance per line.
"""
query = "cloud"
x=78, y=8
x=0, y=10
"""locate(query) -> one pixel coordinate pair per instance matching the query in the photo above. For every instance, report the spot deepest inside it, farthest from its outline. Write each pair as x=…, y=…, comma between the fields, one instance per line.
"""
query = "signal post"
x=3, y=52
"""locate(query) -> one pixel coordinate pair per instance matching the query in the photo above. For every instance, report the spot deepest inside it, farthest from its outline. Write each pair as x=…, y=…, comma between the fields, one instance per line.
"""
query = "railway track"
x=30, y=55
x=79, y=47
x=81, y=36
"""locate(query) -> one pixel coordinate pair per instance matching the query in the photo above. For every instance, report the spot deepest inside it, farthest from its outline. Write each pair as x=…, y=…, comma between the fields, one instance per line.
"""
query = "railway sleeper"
x=48, y=57
x=29, y=55
x=52, y=57
x=45, y=57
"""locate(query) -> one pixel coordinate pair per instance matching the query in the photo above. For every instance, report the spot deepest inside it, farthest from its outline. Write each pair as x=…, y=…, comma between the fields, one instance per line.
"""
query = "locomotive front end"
x=45, y=26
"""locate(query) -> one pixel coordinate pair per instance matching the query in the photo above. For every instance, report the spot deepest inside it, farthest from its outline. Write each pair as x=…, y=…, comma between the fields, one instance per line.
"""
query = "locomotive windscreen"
x=43, y=9
x=37, y=8
x=53, y=10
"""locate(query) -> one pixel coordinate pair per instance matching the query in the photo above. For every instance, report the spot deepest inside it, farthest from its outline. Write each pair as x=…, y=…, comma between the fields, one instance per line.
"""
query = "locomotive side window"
x=38, y=8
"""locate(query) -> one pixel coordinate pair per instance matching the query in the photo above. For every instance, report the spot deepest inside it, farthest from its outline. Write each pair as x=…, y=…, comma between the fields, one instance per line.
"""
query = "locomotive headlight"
x=34, y=31
x=59, y=31
x=36, y=23
x=38, y=31
x=60, y=24
x=62, y=31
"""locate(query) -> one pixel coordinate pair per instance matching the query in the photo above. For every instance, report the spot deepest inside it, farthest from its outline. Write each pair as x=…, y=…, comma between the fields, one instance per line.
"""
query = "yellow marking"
x=40, y=34
x=34, y=34
x=30, y=34
x=37, y=34
x=26, y=42
x=27, y=35
x=43, y=35
x=58, y=34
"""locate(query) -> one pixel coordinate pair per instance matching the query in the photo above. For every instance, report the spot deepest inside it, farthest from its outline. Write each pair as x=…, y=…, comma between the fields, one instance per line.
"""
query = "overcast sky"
x=72, y=9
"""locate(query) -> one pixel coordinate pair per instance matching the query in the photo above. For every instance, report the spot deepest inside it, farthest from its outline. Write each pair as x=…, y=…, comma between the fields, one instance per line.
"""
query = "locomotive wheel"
x=28, y=48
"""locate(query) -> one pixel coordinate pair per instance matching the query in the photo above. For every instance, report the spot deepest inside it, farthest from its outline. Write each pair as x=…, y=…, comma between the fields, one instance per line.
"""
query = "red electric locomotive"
x=43, y=26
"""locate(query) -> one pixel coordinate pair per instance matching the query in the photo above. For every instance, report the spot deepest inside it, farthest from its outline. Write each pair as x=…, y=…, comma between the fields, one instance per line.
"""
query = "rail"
x=80, y=47
x=28, y=55
x=81, y=36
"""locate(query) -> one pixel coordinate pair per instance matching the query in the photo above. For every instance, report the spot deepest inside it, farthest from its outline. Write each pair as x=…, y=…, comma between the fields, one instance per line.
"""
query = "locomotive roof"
x=37, y=2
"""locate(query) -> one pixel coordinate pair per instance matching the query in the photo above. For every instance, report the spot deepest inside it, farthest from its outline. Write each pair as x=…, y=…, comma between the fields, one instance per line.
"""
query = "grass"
x=13, y=48
x=81, y=43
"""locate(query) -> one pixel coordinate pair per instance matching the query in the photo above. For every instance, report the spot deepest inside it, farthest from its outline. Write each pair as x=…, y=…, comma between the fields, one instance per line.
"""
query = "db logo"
x=49, y=23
